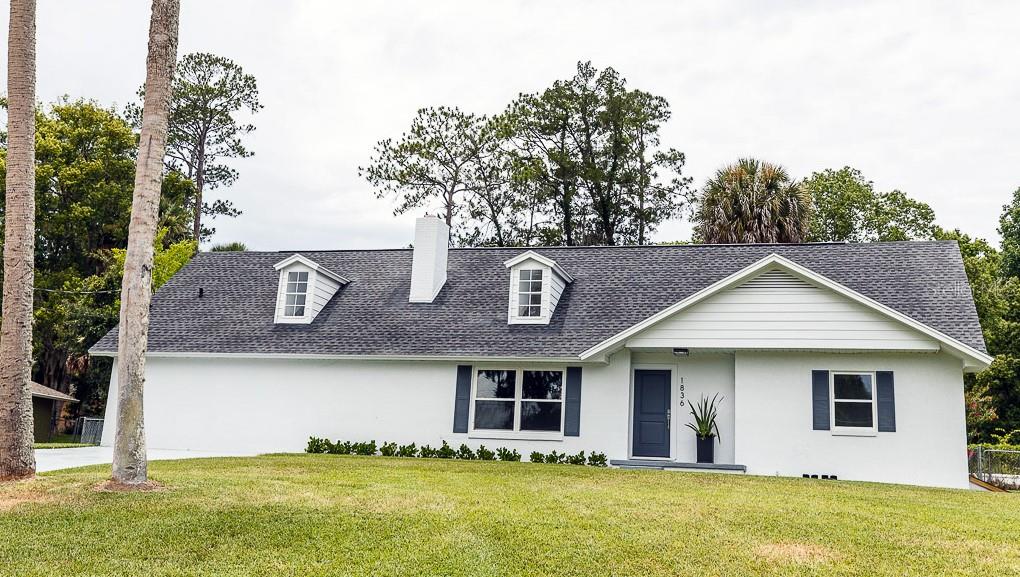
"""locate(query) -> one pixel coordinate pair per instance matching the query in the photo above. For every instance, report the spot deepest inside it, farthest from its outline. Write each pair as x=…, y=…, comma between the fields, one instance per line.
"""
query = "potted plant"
x=705, y=426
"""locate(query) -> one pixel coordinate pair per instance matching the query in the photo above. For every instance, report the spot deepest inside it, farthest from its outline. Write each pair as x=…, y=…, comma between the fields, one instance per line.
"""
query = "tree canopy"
x=210, y=95
x=752, y=201
x=848, y=209
x=84, y=179
x=578, y=163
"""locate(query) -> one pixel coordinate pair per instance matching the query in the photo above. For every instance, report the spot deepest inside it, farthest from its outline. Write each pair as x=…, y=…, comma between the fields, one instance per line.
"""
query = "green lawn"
x=60, y=445
x=333, y=515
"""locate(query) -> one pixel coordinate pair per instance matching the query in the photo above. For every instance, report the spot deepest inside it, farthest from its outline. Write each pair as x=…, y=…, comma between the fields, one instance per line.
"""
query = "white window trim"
x=871, y=431
x=517, y=433
x=513, y=317
x=281, y=296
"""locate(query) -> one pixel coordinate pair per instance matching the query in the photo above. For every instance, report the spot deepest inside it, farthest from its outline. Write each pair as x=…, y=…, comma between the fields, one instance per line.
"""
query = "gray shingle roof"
x=614, y=288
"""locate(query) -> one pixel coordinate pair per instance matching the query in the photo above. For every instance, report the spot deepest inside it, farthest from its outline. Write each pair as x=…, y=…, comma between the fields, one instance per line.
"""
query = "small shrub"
x=485, y=454
x=505, y=454
x=597, y=460
x=556, y=458
x=338, y=448
x=577, y=459
x=407, y=451
x=427, y=452
x=536, y=457
x=316, y=445
x=388, y=449
x=446, y=451
x=368, y=448
x=464, y=452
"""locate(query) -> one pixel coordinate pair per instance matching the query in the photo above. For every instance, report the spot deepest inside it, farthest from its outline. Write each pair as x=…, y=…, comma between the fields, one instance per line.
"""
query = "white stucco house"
x=835, y=360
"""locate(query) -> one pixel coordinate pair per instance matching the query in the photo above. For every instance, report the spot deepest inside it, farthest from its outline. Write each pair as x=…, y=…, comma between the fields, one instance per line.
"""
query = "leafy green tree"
x=433, y=163
x=752, y=202
x=1009, y=229
x=847, y=209
x=84, y=179
x=210, y=95
x=593, y=148
x=578, y=163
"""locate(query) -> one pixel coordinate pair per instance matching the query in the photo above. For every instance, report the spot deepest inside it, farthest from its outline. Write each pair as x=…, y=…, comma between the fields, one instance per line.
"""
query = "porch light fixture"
x=681, y=352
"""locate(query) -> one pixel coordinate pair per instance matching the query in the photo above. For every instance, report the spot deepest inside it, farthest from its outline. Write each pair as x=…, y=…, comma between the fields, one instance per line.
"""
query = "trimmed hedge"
x=445, y=451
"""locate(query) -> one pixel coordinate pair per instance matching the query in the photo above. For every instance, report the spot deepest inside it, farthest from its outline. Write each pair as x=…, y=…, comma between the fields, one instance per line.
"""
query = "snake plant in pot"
x=705, y=426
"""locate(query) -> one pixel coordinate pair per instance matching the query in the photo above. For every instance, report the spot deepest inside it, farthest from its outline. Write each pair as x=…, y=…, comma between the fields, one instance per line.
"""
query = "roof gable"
x=774, y=262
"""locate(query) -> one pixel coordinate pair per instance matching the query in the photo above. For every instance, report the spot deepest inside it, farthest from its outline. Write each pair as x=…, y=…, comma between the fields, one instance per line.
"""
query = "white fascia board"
x=532, y=255
x=298, y=258
x=973, y=358
x=444, y=358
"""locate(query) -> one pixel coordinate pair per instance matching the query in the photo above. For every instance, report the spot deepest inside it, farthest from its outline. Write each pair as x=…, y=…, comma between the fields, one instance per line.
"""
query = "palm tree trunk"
x=129, y=460
x=17, y=460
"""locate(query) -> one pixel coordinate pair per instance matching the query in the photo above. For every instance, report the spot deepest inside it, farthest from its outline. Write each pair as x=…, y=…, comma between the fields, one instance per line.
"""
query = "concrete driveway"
x=55, y=459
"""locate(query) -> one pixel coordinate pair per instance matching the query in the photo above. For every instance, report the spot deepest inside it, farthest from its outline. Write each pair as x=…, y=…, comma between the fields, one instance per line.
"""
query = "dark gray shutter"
x=820, y=399
x=463, y=400
x=886, y=402
x=572, y=419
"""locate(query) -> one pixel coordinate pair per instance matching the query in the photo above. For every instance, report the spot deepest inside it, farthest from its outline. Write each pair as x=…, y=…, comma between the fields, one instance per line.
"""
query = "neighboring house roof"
x=614, y=289
x=44, y=392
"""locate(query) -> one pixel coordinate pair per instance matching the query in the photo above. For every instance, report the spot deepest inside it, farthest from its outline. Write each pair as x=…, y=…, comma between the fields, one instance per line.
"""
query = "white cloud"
x=920, y=96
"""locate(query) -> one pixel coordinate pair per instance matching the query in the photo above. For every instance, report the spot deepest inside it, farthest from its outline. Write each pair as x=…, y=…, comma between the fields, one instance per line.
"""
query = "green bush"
x=366, y=449
x=505, y=454
x=555, y=458
x=320, y=445
x=577, y=459
x=446, y=451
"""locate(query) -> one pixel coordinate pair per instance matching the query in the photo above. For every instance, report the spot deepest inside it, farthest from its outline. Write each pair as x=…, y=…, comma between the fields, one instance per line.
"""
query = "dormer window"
x=536, y=283
x=529, y=293
x=297, y=292
x=305, y=288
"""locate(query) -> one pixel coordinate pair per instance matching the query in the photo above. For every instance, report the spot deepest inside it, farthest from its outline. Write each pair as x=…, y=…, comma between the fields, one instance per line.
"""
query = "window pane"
x=536, y=274
x=542, y=385
x=496, y=384
x=299, y=299
x=523, y=299
x=853, y=414
x=852, y=386
x=540, y=416
x=291, y=299
x=294, y=311
x=494, y=415
x=535, y=311
x=525, y=275
x=524, y=287
x=536, y=299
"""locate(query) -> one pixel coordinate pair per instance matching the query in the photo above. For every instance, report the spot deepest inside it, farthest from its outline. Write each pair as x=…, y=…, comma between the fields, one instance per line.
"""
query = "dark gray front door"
x=651, y=413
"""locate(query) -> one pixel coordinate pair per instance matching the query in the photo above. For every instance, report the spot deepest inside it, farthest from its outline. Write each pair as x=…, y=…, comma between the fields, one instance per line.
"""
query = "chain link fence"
x=999, y=467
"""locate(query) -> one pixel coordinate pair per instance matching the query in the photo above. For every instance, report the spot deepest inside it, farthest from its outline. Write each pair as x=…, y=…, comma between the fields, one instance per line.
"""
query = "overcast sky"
x=920, y=96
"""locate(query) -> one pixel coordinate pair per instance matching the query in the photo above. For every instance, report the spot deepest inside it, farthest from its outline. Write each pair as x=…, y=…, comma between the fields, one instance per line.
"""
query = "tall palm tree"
x=130, y=466
x=752, y=201
x=17, y=461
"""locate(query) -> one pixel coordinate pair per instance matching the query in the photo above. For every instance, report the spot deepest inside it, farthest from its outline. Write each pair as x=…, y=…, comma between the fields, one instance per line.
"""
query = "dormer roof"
x=532, y=255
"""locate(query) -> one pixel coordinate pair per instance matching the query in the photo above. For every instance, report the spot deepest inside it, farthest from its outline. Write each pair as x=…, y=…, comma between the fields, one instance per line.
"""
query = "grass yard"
x=60, y=445
x=336, y=515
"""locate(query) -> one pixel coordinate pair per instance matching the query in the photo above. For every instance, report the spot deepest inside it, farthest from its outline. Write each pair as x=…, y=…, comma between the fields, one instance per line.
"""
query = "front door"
x=651, y=413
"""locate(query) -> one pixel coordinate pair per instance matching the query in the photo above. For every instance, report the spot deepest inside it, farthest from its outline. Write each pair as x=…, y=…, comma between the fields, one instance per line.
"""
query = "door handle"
x=669, y=418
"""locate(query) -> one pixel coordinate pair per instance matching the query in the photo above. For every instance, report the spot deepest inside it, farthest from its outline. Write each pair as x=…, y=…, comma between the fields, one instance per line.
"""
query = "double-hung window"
x=518, y=400
x=529, y=293
x=296, y=294
x=853, y=402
